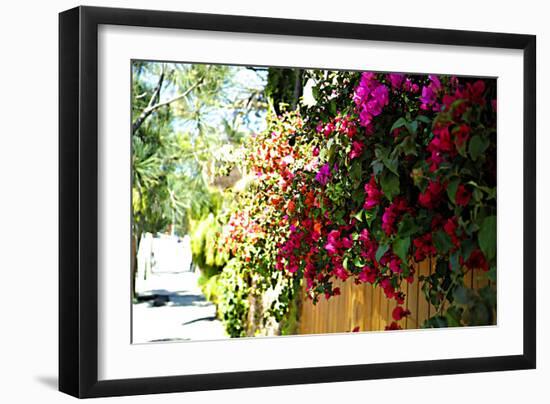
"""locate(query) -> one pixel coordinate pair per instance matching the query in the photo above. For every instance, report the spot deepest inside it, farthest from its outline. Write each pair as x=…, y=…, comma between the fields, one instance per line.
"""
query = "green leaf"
x=451, y=189
x=390, y=184
x=463, y=296
x=398, y=124
x=435, y=322
x=332, y=107
x=407, y=226
x=442, y=242
x=408, y=145
x=382, y=248
x=391, y=164
x=487, y=237
x=357, y=216
x=377, y=167
x=358, y=262
x=453, y=317
x=455, y=265
x=424, y=118
x=401, y=247
x=478, y=145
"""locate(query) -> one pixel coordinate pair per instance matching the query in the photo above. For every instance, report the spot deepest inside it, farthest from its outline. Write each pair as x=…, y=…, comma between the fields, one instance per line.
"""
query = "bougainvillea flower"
x=423, y=247
x=356, y=149
x=398, y=313
x=323, y=175
x=370, y=97
x=462, y=196
x=450, y=227
x=395, y=79
x=477, y=261
x=462, y=133
x=374, y=194
x=432, y=196
x=393, y=326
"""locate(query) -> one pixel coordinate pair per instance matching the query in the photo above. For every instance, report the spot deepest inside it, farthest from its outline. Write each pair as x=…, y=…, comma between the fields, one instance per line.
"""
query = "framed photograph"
x=251, y=201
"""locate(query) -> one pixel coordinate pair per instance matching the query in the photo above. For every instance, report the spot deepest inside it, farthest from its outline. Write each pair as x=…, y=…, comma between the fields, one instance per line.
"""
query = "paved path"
x=176, y=311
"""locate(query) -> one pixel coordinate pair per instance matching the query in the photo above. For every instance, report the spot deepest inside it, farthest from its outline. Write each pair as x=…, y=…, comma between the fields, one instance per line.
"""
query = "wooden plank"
x=405, y=290
x=432, y=309
x=366, y=307
x=383, y=311
x=423, y=305
x=412, y=302
x=367, y=317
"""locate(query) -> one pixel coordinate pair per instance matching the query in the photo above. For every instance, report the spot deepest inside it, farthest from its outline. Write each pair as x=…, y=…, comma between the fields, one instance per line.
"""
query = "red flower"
x=373, y=194
x=423, y=247
x=398, y=313
x=461, y=135
x=393, y=326
x=450, y=227
x=389, y=290
x=477, y=261
x=462, y=196
x=431, y=197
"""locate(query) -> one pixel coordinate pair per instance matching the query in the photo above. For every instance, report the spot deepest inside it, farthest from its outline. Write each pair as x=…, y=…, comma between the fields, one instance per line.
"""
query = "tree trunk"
x=134, y=263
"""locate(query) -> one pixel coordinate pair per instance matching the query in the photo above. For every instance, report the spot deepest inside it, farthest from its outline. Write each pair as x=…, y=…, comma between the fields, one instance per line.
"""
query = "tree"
x=183, y=116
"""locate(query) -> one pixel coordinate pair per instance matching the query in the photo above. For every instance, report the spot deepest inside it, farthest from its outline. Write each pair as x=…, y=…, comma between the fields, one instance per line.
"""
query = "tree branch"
x=151, y=107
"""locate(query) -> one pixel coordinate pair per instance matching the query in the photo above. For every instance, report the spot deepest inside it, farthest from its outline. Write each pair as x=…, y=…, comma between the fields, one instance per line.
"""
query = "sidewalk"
x=175, y=311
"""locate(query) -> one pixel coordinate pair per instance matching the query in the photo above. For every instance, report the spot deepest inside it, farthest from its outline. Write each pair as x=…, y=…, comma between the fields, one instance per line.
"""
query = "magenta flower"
x=373, y=194
x=323, y=175
x=370, y=97
x=396, y=79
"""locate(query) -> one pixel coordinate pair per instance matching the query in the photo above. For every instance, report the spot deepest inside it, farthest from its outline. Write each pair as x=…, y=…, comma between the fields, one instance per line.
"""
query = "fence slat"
x=366, y=307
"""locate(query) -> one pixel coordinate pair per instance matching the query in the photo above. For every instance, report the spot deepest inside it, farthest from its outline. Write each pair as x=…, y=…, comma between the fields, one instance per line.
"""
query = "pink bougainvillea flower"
x=391, y=213
x=435, y=82
x=341, y=272
x=396, y=80
x=395, y=265
x=356, y=149
x=370, y=97
x=429, y=97
x=323, y=175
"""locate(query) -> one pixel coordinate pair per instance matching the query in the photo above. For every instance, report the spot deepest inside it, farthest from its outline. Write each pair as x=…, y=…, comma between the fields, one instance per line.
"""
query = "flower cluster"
x=418, y=181
x=370, y=97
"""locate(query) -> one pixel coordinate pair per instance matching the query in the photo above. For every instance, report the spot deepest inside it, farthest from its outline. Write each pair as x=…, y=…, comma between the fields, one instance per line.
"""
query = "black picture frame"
x=78, y=201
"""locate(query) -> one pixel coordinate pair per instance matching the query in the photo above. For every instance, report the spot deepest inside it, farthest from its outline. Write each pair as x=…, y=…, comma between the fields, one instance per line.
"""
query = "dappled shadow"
x=196, y=320
x=157, y=298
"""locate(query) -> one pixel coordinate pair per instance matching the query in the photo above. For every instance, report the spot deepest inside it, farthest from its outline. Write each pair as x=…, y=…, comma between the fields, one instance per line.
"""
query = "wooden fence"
x=367, y=307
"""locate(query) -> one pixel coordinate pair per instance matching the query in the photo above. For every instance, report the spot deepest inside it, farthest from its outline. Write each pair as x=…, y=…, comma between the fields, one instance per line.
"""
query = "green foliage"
x=208, y=253
x=284, y=87
x=487, y=236
x=233, y=295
